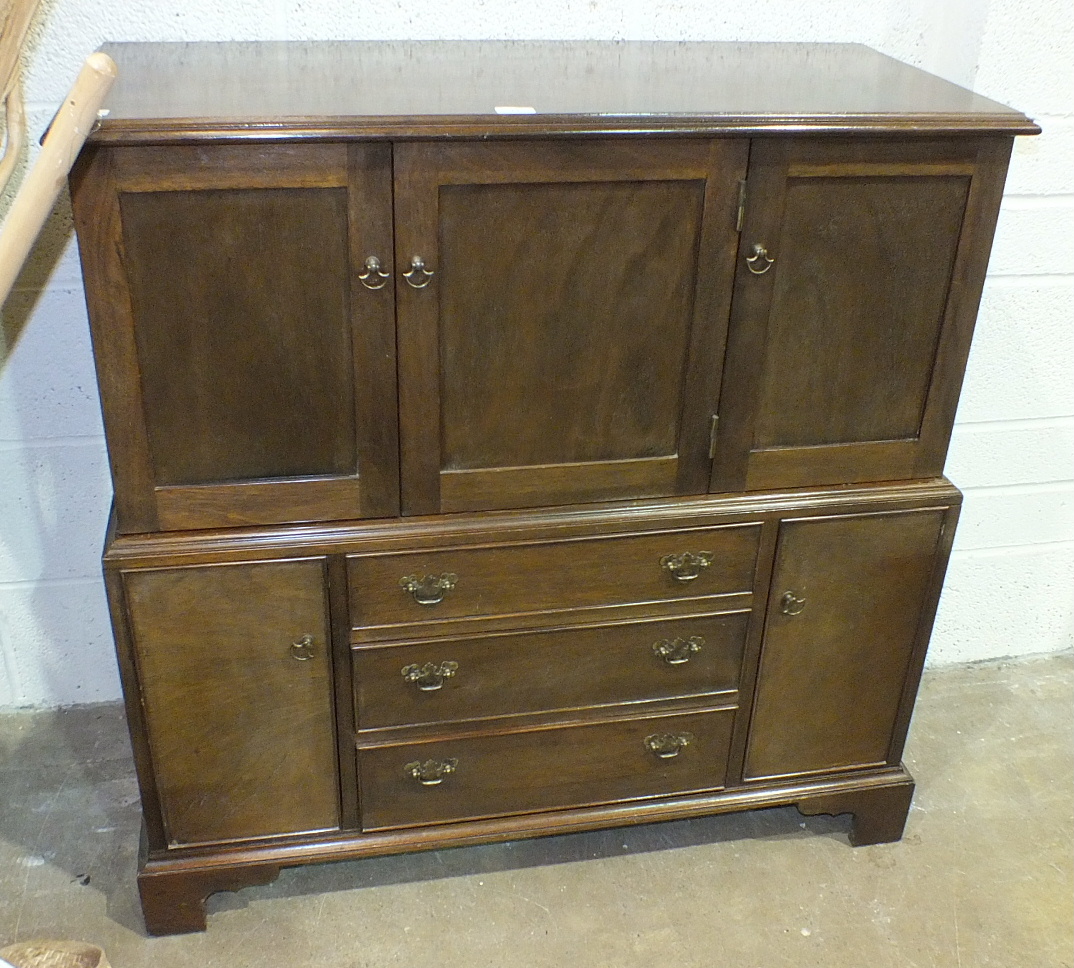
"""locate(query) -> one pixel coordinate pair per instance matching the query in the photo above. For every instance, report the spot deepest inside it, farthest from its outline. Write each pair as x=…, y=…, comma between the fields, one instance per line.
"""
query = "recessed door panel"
x=859, y=291
x=243, y=330
x=567, y=346
x=565, y=320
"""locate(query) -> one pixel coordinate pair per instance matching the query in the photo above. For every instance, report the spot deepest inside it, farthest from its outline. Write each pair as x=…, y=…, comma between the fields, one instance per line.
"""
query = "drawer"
x=550, y=576
x=542, y=769
x=496, y=675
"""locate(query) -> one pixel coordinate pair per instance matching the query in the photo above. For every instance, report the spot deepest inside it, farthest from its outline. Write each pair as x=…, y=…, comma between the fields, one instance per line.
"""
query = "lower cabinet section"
x=753, y=652
x=480, y=776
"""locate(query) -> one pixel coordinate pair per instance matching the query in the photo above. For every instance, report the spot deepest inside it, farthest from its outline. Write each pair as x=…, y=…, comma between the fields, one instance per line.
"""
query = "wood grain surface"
x=452, y=88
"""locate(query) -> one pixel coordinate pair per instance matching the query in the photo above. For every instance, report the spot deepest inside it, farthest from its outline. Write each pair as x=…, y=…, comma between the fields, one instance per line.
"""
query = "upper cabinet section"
x=339, y=281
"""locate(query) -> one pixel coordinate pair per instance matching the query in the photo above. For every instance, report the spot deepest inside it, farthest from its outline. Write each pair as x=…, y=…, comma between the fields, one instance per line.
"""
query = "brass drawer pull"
x=374, y=276
x=431, y=772
x=302, y=650
x=790, y=604
x=678, y=651
x=429, y=589
x=760, y=262
x=417, y=276
x=687, y=566
x=668, y=745
x=430, y=677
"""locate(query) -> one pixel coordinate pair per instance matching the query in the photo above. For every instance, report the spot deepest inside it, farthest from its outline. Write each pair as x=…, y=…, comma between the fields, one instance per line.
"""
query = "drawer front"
x=496, y=675
x=542, y=769
x=550, y=576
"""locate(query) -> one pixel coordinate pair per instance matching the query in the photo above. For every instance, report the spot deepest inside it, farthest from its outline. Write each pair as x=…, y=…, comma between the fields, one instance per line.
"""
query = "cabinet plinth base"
x=879, y=812
x=173, y=901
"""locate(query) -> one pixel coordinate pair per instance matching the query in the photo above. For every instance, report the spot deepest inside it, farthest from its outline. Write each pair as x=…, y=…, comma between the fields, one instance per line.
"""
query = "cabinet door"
x=850, y=332
x=849, y=616
x=247, y=373
x=233, y=669
x=567, y=345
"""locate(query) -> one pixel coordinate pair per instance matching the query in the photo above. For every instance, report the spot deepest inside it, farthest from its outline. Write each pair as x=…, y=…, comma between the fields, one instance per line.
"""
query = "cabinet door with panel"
x=246, y=352
x=562, y=312
x=849, y=615
x=859, y=274
x=234, y=676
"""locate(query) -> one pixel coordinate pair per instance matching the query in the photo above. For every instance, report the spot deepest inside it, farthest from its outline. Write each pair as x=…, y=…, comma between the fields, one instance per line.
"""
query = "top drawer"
x=552, y=576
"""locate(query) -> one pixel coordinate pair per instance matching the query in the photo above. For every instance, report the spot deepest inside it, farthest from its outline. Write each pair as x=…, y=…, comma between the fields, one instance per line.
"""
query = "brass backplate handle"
x=431, y=676
x=302, y=650
x=417, y=276
x=760, y=262
x=791, y=604
x=678, y=651
x=431, y=772
x=374, y=276
x=687, y=566
x=429, y=589
x=668, y=745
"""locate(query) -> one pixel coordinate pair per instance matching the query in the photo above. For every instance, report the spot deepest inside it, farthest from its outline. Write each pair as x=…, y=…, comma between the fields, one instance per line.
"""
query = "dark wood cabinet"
x=486, y=474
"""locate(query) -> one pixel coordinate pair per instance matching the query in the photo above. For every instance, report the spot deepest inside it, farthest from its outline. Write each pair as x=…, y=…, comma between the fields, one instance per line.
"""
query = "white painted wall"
x=1011, y=583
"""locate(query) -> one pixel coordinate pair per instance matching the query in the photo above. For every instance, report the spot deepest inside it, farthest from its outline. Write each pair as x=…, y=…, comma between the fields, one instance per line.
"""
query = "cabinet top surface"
x=193, y=91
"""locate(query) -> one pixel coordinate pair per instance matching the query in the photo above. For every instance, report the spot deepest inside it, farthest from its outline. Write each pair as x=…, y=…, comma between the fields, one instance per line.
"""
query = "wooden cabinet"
x=482, y=475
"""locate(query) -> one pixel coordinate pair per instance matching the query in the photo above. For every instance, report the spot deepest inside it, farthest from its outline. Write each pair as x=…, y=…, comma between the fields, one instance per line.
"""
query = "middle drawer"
x=553, y=669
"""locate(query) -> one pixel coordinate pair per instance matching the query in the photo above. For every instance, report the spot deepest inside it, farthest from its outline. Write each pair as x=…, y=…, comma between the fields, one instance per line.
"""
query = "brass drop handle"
x=678, y=651
x=687, y=566
x=417, y=276
x=302, y=650
x=668, y=745
x=429, y=589
x=431, y=772
x=760, y=262
x=374, y=276
x=790, y=604
x=431, y=676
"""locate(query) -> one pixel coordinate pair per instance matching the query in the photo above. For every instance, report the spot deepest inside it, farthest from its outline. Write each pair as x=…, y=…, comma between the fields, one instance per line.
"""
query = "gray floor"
x=982, y=877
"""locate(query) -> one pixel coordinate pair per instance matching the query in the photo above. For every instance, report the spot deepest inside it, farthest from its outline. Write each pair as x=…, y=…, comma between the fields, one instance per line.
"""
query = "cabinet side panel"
x=241, y=733
x=95, y=203
x=836, y=656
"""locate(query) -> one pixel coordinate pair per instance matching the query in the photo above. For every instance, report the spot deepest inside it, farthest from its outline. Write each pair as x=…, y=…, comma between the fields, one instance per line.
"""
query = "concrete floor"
x=981, y=878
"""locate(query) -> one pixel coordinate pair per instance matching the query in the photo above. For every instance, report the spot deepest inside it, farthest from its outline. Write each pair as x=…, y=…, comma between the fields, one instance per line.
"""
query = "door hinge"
x=741, y=217
x=712, y=435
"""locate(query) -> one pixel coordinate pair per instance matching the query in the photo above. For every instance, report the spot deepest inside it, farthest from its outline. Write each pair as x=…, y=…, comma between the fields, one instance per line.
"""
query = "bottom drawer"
x=475, y=777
